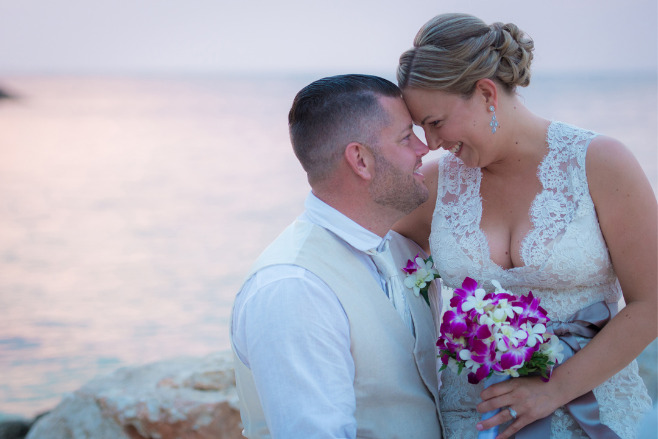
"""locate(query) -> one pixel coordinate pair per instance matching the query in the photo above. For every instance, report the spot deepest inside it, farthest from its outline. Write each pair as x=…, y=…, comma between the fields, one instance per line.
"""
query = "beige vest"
x=395, y=380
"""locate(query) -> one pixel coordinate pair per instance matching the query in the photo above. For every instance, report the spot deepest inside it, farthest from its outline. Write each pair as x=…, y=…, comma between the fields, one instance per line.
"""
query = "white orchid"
x=418, y=280
x=498, y=287
x=506, y=335
x=465, y=355
x=535, y=333
x=504, y=310
x=553, y=348
x=476, y=302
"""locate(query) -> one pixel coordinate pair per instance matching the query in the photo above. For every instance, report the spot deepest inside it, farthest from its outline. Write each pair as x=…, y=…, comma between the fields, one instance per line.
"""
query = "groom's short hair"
x=332, y=112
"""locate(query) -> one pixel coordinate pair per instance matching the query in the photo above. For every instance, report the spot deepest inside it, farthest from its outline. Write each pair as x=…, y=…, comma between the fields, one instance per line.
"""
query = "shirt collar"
x=322, y=214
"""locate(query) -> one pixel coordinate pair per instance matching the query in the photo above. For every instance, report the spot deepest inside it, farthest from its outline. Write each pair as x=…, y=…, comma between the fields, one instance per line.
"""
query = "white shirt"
x=290, y=329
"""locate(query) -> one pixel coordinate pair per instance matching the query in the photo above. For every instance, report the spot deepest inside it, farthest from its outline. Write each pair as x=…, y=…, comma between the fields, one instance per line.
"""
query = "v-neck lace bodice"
x=566, y=261
x=566, y=264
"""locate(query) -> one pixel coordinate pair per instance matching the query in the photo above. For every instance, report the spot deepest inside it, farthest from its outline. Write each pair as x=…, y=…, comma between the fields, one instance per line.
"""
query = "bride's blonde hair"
x=453, y=51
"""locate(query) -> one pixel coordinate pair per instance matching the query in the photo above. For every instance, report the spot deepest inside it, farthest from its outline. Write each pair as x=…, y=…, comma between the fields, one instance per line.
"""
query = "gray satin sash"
x=585, y=409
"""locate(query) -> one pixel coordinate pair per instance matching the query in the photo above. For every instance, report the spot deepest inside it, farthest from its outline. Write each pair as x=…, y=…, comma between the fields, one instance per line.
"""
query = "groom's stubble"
x=391, y=187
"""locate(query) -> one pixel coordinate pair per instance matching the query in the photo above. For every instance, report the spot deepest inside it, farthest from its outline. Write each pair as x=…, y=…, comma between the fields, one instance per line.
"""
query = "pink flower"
x=480, y=350
x=456, y=345
x=515, y=357
x=486, y=363
x=483, y=332
x=531, y=309
x=454, y=323
x=411, y=266
x=461, y=294
x=485, y=370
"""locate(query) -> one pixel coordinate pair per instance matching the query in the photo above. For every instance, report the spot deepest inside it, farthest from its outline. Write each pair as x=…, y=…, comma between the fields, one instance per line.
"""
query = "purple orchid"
x=479, y=350
x=531, y=309
x=411, y=266
x=484, y=353
x=485, y=369
x=454, y=346
x=515, y=357
x=483, y=332
x=461, y=294
x=486, y=363
x=454, y=323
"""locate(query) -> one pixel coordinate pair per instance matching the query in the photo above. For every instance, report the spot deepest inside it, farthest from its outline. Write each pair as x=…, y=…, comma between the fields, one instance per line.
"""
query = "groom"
x=328, y=342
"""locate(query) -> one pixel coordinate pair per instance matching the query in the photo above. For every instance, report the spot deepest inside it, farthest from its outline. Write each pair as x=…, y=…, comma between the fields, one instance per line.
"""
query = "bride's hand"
x=530, y=397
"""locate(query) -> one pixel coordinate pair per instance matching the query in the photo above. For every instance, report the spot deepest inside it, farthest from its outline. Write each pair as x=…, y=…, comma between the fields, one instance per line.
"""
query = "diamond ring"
x=512, y=413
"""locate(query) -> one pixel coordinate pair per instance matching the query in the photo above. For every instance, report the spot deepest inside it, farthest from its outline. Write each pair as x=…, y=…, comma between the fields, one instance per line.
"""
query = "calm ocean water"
x=131, y=208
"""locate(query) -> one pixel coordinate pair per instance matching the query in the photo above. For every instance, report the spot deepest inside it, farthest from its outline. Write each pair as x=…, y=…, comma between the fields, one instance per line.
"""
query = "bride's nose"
x=434, y=142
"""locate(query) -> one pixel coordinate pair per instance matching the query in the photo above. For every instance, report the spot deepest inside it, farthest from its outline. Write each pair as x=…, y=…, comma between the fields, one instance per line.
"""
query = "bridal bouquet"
x=496, y=336
x=496, y=332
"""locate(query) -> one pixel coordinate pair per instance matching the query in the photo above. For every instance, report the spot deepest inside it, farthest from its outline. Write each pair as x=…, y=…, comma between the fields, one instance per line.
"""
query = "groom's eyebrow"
x=406, y=129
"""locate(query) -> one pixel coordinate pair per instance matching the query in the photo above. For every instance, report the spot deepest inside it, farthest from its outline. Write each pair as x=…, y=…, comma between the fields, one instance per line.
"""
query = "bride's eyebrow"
x=424, y=120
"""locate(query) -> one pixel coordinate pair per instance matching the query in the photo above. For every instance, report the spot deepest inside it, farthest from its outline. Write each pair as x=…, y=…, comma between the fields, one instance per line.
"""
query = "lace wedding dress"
x=566, y=265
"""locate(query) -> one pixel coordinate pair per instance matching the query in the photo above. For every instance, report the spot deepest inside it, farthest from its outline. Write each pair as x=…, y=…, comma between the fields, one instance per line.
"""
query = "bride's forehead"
x=421, y=98
x=428, y=104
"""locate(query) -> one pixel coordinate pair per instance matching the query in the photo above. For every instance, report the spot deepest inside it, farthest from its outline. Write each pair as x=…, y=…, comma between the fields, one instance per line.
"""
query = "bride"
x=540, y=206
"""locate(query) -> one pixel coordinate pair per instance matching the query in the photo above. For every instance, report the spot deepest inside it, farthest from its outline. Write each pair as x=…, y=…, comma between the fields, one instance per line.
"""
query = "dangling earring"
x=494, y=122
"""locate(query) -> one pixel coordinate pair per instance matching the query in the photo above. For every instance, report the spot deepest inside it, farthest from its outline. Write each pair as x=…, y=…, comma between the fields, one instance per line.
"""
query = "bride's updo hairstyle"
x=453, y=51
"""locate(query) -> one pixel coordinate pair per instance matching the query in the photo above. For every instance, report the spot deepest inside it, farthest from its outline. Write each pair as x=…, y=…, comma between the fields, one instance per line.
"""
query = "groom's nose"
x=420, y=147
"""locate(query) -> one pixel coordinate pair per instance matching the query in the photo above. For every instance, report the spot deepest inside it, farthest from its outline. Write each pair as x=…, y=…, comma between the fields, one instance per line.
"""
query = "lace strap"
x=564, y=186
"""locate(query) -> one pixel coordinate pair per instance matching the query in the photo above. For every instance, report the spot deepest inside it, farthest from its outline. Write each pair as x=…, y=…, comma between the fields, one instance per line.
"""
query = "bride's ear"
x=360, y=160
x=488, y=90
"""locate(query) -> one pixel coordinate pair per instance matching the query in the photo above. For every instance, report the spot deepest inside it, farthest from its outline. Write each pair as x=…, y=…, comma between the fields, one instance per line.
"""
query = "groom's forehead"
x=395, y=112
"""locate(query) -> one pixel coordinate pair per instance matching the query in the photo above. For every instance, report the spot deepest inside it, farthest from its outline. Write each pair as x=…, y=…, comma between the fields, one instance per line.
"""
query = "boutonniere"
x=420, y=272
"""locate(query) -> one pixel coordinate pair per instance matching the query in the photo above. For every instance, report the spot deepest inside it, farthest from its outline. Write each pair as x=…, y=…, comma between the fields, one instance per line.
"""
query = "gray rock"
x=5, y=95
x=14, y=429
x=183, y=398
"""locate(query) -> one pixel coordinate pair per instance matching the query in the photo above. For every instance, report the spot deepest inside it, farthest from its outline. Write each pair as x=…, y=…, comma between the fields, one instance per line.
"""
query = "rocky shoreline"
x=182, y=398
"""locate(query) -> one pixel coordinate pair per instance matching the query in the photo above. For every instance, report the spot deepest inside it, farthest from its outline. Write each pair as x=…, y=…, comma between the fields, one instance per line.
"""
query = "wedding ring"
x=512, y=413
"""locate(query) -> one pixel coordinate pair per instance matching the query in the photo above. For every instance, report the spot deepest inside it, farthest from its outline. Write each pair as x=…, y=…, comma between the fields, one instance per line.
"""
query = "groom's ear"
x=360, y=159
